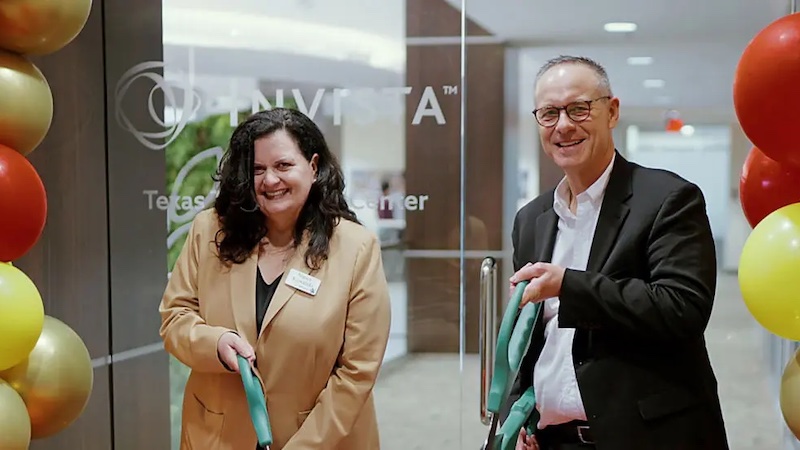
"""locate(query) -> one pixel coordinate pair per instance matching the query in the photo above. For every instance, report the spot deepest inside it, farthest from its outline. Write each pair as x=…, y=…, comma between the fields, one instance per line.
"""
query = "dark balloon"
x=766, y=185
x=23, y=205
x=766, y=94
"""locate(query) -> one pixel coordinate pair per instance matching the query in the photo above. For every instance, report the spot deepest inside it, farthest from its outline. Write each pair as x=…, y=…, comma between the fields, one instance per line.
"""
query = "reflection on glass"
x=344, y=64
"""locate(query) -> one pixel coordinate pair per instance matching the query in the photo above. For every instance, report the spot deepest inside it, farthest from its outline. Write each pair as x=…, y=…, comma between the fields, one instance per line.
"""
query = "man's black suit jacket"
x=640, y=311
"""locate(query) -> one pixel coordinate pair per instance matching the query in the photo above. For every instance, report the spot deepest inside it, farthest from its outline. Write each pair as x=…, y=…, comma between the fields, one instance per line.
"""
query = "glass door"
x=384, y=81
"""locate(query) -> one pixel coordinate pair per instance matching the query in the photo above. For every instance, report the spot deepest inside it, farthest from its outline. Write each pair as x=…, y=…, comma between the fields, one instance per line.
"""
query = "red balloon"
x=23, y=205
x=766, y=185
x=766, y=92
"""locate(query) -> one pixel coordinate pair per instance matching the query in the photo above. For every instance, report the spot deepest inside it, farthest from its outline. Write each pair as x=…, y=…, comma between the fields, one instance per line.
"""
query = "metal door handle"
x=488, y=331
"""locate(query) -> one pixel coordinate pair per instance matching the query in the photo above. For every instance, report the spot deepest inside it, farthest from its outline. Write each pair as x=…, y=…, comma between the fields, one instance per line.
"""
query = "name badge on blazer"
x=303, y=282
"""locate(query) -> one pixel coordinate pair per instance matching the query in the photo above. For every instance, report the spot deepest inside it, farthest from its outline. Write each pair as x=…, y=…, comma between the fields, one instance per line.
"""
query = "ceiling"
x=580, y=21
x=695, y=45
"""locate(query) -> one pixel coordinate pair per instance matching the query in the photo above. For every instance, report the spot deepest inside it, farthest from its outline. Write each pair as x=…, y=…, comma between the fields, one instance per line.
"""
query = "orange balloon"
x=766, y=93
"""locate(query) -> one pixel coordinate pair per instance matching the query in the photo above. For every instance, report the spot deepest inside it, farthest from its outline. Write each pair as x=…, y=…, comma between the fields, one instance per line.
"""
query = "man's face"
x=582, y=144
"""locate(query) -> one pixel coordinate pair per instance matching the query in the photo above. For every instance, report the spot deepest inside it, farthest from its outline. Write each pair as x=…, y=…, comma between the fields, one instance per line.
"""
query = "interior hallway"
x=418, y=397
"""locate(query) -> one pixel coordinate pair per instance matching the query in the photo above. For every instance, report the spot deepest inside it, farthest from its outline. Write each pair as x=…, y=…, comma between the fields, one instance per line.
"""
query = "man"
x=623, y=261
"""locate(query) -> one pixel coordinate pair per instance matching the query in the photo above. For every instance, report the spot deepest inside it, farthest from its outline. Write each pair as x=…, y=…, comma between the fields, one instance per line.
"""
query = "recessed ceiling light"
x=653, y=83
x=640, y=60
x=620, y=27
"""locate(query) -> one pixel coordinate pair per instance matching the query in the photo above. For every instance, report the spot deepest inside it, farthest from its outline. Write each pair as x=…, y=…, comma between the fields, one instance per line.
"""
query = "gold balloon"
x=55, y=381
x=790, y=394
x=15, y=426
x=39, y=27
x=26, y=103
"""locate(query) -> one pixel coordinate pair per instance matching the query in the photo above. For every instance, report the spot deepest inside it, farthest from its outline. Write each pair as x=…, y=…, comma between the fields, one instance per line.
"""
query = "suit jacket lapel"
x=613, y=213
x=243, y=297
x=546, y=230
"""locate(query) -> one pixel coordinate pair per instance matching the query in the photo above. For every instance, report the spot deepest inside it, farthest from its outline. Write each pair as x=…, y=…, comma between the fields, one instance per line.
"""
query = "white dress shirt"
x=558, y=399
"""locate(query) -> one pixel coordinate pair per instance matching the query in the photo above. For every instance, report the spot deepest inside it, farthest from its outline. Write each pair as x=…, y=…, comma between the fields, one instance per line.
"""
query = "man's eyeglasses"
x=577, y=111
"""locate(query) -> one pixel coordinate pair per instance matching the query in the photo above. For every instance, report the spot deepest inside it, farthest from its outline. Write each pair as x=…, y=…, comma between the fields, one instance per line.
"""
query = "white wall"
x=703, y=158
x=739, y=227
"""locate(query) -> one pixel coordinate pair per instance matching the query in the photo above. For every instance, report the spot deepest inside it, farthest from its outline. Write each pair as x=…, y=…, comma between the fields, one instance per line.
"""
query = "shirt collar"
x=593, y=194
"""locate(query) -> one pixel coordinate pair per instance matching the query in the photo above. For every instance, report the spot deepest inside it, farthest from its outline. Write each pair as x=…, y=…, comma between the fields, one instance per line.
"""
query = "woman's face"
x=283, y=178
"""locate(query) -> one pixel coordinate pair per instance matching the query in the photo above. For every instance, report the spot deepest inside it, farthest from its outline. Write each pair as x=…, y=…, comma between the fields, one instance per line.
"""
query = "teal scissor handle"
x=513, y=340
x=256, y=403
x=506, y=436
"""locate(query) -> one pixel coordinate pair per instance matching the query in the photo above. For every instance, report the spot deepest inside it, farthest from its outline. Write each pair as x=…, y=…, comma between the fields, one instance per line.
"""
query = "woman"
x=280, y=272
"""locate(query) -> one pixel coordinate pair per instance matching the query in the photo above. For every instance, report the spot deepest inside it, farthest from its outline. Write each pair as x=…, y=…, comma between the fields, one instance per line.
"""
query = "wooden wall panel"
x=137, y=232
x=141, y=418
x=433, y=159
x=428, y=18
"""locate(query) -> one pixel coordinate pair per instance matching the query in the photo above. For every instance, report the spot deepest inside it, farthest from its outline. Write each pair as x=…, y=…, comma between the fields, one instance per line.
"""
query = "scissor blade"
x=492, y=430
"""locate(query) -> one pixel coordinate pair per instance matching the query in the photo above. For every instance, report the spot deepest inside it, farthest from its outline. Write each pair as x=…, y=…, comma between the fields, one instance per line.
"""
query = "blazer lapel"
x=613, y=213
x=243, y=297
x=243, y=292
x=283, y=293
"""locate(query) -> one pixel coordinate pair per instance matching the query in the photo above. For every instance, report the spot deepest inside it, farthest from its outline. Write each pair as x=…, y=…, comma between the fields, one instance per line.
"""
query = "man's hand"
x=229, y=346
x=526, y=441
x=545, y=281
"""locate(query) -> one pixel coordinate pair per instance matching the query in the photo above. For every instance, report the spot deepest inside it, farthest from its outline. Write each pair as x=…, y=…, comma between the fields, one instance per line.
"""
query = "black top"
x=264, y=293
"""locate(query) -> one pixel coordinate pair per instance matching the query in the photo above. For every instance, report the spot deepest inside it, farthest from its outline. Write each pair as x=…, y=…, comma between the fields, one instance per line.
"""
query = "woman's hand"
x=526, y=441
x=229, y=346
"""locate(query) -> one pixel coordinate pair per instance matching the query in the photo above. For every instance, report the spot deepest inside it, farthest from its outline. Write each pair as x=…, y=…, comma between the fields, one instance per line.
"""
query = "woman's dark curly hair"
x=243, y=225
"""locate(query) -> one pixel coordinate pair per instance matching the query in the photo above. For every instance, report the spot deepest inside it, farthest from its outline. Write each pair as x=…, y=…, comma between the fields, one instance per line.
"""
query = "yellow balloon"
x=790, y=394
x=21, y=316
x=15, y=426
x=769, y=272
x=55, y=381
x=39, y=27
x=26, y=103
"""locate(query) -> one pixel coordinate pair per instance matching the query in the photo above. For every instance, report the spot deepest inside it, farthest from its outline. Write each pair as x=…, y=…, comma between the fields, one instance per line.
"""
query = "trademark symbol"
x=450, y=90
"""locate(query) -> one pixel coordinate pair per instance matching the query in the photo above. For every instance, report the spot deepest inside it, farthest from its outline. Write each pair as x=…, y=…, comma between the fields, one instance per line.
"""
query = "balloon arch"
x=766, y=97
x=46, y=374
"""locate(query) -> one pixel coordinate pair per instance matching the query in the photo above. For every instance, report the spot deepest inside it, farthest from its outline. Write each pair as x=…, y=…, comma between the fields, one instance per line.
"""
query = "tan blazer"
x=317, y=357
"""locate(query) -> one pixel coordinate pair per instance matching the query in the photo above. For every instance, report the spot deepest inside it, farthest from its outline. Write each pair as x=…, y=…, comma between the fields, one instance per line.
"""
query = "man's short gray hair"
x=602, y=76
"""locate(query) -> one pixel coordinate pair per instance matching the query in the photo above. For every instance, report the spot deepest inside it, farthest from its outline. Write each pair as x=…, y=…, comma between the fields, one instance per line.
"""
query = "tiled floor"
x=431, y=402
